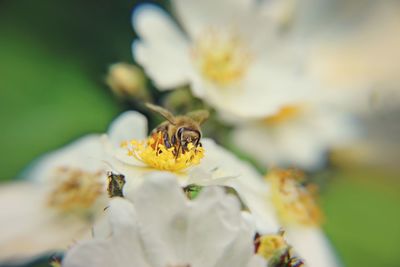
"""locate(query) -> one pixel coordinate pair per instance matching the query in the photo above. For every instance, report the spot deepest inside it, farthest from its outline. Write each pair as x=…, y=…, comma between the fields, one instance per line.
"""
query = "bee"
x=179, y=131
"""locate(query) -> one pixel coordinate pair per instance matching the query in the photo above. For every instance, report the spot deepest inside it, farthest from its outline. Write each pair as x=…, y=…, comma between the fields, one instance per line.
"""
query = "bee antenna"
x=162, y=111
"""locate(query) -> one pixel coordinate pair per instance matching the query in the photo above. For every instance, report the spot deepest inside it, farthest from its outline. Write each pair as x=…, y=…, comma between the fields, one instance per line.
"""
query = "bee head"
x=187, y=135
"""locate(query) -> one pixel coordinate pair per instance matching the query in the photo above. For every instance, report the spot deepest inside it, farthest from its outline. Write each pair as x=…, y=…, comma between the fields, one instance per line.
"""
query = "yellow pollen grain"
x=270, y=245
x=221, y=58
x=76, y=192
x=154, y=154
x=284, y=114
x=295, y=203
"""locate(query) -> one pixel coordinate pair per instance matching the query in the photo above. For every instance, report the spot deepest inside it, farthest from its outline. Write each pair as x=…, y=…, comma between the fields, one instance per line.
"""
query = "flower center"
x=76, y=191
x=284, y=114
x=294, y=202
x=221, y=57
x=155, y=154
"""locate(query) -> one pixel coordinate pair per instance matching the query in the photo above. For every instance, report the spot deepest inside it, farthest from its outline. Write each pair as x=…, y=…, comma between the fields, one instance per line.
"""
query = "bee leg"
x=173, y=140
x=166, y=141
x=184, y=148
x=178, y=150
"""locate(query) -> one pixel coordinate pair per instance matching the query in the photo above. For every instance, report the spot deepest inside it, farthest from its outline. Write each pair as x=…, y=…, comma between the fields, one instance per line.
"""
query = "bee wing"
x=199, y=116
x=162, y=111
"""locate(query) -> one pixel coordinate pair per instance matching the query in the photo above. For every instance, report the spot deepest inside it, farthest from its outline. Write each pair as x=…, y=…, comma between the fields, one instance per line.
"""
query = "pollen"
x=295, y=202
x=76, y=191
x=270, y=245
x=156, y=155
x=221, y=57
x=275, y=249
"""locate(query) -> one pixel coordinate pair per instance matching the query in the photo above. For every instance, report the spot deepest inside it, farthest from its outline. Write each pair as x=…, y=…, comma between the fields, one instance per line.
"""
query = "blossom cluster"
x=168, y=196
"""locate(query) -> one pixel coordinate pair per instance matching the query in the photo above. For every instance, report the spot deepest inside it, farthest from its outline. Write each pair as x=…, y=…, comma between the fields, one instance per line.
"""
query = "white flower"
x=157, y=226
x=57, y=202
x=229, y=54
x=348, y=51
x=251, y=58
x=217, y=167
x=362, y=53
x=296, y=136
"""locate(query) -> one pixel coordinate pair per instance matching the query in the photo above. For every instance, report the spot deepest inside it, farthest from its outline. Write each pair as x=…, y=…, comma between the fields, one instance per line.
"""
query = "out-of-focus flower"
x=252, y=58
x=379, y=147
x=229, y=55
x=208, y=231
x=128, y=81
x=348, y=49
x=296, y=136
x=59, y=202
x=365, y=58
x=297, y=212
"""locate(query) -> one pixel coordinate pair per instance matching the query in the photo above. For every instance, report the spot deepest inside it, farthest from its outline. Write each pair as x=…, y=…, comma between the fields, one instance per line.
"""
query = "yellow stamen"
x=76, y=192
x=156, y=155
x=294, y=202
x=270, y=245
x=284, y=114
x=221, y=57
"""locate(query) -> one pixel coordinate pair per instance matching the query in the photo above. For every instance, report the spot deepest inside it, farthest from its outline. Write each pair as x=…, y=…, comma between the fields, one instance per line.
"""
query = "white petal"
x=30, y=228
x=86, y=153
x=257, y=261
x=117, y=158
x=213, y=226
x=280, y=147
x=92, y=253
x=272, y=83
x=301, y=141
x=225, y=164
x=122, y=249
x=161, y=207
x=239, y=252
x=197, y=16
x=127, y=126
x=102, y=253
x=162, y=50
x=312, y=246
x=247, y=182
x=262, y=92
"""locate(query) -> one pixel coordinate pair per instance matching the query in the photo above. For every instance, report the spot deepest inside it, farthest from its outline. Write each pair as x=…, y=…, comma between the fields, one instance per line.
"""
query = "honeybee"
x=179, y=131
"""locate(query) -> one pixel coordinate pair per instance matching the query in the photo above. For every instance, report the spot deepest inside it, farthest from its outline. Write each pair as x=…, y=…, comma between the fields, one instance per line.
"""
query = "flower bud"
x=128, y=81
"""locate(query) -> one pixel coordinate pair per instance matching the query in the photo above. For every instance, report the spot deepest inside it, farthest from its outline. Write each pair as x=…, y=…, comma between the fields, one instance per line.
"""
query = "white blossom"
x=299, y=136
x=158, y=226
x=57, y=202
x=230, y=54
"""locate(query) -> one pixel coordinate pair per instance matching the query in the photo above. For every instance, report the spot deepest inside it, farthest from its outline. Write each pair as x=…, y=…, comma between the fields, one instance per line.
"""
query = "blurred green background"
x=53, y=61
